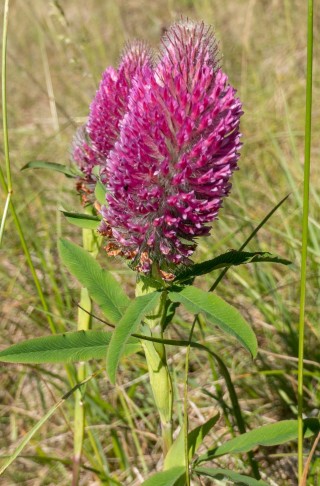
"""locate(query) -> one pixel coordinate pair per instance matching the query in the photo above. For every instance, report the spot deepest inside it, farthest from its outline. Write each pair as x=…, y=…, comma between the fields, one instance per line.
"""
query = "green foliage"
x=166, y=478
x=86, y=221
x=100, y=192
x=129, y=323
x=267, y=436
x=43, y=164
x=64, y=348
x=238, y=479
x=176, y=456
x=219, y=313
x=61, y=348
x=101, y=285
x=231, y=258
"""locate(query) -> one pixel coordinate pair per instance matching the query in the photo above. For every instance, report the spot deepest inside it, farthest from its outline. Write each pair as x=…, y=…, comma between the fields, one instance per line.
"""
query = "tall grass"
x=67, y=46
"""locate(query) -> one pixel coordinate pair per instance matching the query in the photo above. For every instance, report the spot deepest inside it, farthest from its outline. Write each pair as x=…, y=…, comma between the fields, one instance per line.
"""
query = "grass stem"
x=7, y=185
x=4, y=216
x=4, y=95
x=305, y=221
x=28, y=257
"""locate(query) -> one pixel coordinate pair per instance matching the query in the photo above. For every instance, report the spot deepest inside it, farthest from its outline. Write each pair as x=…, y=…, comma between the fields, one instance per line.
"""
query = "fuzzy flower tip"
x=179, y=142
x=94, y=140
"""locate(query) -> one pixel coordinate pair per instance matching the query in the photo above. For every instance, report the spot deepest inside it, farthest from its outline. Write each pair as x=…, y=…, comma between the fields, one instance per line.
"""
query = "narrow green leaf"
x=237, y=478
x=86, y=221
x=64, y=348
x=218, y=312
x=101, y=285
x=165, y=478
x=196, y=436
x=129, y=323
x=100, y=193
x=267, y=435
x=43, y=164
x=176, y=456
x=232, y=257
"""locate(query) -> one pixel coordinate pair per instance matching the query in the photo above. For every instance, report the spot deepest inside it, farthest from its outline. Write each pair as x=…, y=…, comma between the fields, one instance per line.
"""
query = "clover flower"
x=179, y=142
x=94, y=141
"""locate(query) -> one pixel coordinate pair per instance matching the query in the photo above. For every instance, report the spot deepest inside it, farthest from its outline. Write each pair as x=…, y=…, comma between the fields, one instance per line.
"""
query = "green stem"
x=7, y=186
x=155, y=353
x=161, y=384
x=84, y=322
x=185, y=405
x=4, y=216
x=227, y=378
x=304, y=250
x=28, y=258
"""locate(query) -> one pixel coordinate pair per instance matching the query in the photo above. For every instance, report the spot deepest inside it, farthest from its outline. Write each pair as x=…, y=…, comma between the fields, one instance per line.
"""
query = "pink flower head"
x=178, y=146
x=94, y=141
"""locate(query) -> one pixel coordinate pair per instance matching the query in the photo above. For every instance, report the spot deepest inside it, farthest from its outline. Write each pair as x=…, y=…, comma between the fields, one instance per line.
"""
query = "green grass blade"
x=4, y=95
x=305, y=224
x=4, y=216
x=250, y=237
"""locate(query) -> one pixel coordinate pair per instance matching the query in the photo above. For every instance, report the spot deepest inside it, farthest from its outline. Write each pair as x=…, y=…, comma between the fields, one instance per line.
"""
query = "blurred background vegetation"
x=57, y=52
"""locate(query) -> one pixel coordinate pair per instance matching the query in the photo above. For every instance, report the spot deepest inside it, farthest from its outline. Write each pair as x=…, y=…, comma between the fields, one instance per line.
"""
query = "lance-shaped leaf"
x=102, y=286
x=129, y=323
x=176, y=454
x=231, y=258
x=64, y=348
x=87, y=221
x=267, y=435
x=218, y=312
x=43, y=164
x=166, y=478
x=237, y=478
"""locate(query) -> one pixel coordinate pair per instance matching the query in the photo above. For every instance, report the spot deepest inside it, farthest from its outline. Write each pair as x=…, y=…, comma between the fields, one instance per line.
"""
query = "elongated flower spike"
x=94, y=141
x=178, y=146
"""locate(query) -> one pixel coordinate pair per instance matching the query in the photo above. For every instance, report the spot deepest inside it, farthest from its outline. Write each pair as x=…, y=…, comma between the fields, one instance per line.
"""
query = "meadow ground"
x=56, y=54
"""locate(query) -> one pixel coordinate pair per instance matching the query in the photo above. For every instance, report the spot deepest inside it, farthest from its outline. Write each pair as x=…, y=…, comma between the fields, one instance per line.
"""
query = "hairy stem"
x=161, y=384
x=160, y=378
x=185, y=405
x=84, y=322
